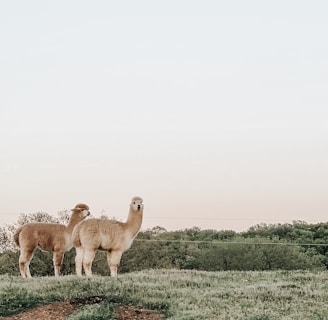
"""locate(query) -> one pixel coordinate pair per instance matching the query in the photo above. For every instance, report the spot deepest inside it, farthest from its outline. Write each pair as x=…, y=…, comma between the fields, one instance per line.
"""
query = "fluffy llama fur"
x=53, y=237
x=112, y=236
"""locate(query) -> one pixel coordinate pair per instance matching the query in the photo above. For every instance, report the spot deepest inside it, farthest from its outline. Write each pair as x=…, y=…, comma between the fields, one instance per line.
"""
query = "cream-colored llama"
x=112, y=236
x=53, y=237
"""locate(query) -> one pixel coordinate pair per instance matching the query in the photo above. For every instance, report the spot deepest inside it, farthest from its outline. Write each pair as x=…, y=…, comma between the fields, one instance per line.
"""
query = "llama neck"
x=134, y=221
x=73, y=221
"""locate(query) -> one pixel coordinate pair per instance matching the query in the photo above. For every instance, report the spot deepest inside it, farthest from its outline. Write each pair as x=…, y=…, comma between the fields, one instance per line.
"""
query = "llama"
x=53, y=237
x=108, y=235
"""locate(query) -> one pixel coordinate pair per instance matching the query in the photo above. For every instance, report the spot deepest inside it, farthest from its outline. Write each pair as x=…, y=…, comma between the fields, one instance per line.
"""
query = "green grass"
x=183, y=295
x=101, y=311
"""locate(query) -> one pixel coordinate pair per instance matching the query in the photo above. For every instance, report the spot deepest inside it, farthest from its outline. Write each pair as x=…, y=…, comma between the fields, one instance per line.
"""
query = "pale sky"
x=215, y=112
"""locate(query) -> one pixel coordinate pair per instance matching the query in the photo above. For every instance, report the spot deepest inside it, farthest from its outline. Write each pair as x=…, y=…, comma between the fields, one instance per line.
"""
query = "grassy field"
x=180, y=294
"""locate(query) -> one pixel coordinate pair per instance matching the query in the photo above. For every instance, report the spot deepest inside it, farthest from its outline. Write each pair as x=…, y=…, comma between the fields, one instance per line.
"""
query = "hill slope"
x=178, y=294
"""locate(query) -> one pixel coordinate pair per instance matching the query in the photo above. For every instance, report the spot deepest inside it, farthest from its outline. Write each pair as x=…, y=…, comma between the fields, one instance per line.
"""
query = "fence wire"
x=235, y=242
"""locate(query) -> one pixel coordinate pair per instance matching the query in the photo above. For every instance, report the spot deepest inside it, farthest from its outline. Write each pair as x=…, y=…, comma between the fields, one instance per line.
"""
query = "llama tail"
x=16, y=236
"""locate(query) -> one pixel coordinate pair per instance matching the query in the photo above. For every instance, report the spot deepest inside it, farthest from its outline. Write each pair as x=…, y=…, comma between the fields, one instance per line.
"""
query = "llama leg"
x=24, y=262
x=113, y=259
x=58, y=260
x=78, y=261
x=27, y=268
x=87, y=261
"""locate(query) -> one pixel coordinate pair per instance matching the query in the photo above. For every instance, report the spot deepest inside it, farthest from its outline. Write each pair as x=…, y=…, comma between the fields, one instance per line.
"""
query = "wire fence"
x=218, y=243
x=234, y=242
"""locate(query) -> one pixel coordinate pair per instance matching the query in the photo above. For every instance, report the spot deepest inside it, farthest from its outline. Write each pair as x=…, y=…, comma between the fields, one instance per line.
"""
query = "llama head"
x=82, y=209
x=136, y=204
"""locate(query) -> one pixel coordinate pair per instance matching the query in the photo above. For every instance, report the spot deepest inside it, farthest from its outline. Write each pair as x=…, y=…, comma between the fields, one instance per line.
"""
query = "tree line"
x=288, y=246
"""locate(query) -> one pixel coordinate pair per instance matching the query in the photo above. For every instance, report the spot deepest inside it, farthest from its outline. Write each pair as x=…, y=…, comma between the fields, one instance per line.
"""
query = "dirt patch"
x=133, y=313
x=60, y=310
x=53, y=311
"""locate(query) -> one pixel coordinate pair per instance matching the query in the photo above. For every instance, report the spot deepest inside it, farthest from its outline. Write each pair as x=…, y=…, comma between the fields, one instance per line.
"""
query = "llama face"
x=85, y=213
x=136, y=204
x=82, y=210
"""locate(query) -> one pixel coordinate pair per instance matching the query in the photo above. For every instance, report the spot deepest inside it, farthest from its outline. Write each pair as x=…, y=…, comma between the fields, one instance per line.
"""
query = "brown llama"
x=109, y=235
x=53, y=237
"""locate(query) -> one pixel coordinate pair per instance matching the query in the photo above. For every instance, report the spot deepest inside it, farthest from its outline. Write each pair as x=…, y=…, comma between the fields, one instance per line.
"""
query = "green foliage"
x=9, y=263
x=13, y=300
x=262, y=247
x=103, y=311
x=261, y=317
x=178, y=294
